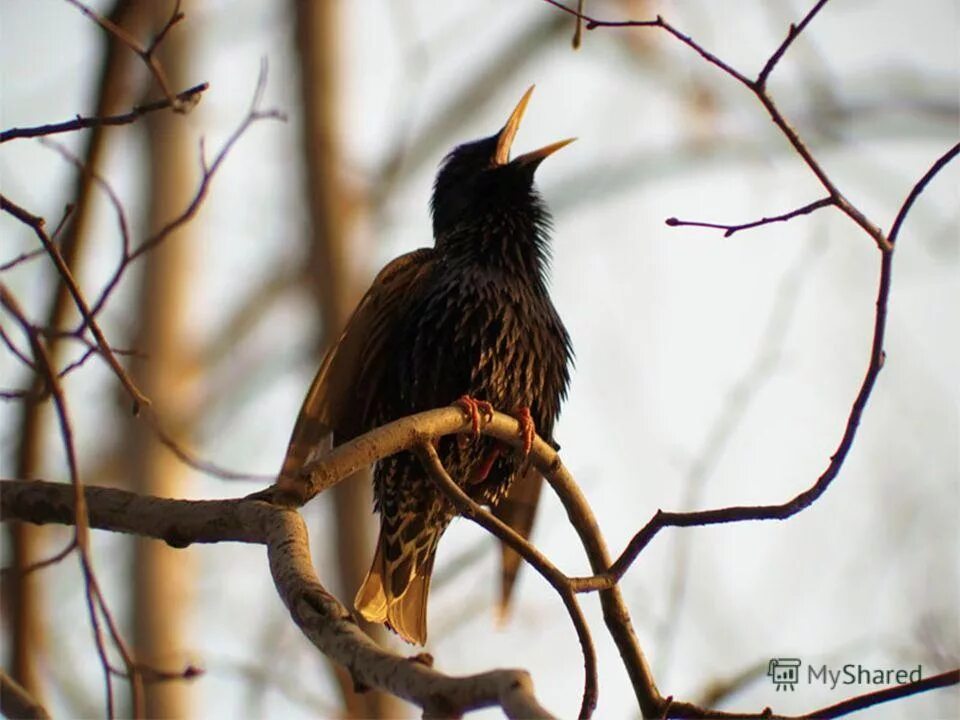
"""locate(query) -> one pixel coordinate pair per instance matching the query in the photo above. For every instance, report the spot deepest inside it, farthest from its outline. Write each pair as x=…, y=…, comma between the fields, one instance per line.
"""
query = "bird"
x=468, y=321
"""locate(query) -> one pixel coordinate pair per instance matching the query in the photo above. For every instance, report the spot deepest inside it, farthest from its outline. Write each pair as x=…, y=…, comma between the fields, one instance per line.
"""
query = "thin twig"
x=146, y=53
x=781, y=511
x=188, y=97
x=871, y=699
x=792, y=35
x=37, y=223
x=488, y=521
x=758, y=87
x=254, y=114
x=17, y=353
x=731, y=229
x=55, y=238
x=41, y=564
x=81, y=520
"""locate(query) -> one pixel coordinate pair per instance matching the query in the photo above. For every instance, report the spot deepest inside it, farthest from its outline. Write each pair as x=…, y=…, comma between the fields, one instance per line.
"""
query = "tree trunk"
x=163, y=577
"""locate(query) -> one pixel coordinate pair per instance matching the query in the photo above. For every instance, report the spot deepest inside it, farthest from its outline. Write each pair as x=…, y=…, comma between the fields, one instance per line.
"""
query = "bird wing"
x=333, y=404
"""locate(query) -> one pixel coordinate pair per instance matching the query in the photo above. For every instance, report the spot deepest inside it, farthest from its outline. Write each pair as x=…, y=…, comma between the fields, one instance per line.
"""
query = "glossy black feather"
x=470, y=317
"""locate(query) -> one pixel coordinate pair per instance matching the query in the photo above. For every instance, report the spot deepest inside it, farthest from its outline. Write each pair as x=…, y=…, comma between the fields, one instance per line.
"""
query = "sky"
x=709, y=371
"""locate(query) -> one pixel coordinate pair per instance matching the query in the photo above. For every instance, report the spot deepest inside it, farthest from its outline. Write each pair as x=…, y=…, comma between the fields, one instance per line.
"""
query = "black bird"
x=468, y=320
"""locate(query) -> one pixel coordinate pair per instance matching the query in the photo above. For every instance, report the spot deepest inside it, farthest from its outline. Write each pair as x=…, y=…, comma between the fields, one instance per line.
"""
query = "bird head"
x=478, y=180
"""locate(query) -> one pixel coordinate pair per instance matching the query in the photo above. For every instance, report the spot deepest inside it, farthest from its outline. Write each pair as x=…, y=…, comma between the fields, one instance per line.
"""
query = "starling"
x=468, y=319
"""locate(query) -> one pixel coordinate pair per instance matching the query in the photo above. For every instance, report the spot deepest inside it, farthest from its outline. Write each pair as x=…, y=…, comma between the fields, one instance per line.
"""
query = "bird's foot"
x=474, y=409
x=528, y=429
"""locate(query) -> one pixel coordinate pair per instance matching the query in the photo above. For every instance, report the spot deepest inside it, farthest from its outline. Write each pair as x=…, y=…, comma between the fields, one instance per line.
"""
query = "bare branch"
x=94, y=597
x=254, y=114
x=758, y=88
x=792, y=35
x=327, y=623
x=36, y=224
x=731, y=229
x=787, y=509
x=487, y=520
x=17, y=353
x=407, y=433
x=862, y=702
x=147, y=53
x=55, y=238
x=188, y=97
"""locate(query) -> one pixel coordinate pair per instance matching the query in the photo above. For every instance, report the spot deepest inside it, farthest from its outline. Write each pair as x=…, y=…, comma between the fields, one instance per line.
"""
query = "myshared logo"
x=786, y=673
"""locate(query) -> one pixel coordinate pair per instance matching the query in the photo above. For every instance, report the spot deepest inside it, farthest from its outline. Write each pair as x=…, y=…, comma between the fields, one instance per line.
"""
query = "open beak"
x=509, y=132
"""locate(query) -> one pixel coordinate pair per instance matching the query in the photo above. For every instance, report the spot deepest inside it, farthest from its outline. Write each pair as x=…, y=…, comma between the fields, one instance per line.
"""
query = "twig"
x=93, y=594
x=191, y=460
x=792, y=34
x=758, y=87
x=254, y=114
x=147, y=53
x=187, y=98
x=485, y=519
x=787, y=509
x=17, y=353
x=41, y=564
x=37, y=223
x=862, y=702
x=731, y=229
x=55, y=238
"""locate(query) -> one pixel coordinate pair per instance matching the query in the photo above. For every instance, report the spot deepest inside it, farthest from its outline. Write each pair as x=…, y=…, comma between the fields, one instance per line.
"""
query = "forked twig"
x=558, y=581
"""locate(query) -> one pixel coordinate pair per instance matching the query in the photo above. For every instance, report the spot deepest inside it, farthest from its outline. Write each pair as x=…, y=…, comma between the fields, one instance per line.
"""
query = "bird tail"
x=518, y=510
x=396, y=587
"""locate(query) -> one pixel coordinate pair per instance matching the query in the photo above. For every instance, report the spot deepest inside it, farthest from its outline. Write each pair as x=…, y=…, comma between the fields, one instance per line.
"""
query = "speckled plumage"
x=471, y=316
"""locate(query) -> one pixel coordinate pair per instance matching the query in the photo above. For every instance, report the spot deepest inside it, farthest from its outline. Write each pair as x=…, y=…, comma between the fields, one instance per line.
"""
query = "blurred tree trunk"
x=162, y=577
x=335, y=287
x=23, y=599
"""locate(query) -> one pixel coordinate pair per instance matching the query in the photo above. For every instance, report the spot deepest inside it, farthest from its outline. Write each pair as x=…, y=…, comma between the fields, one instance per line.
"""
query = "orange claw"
x=528, y=429
x=474, y=408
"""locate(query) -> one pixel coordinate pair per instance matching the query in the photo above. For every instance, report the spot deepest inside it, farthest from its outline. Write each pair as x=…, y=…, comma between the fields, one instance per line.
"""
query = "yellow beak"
x=505, y=139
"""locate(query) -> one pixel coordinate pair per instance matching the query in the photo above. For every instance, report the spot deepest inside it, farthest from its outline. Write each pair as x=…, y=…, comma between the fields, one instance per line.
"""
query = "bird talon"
x=528, y=429
x=474, y=409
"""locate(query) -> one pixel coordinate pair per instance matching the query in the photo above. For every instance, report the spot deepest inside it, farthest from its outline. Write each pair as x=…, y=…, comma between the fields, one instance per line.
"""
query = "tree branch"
x=731, y=229
x=327, y=623
x=758, y=87
x=487, y=520
x=187, y=98
x=37, y=223
x=147, y=53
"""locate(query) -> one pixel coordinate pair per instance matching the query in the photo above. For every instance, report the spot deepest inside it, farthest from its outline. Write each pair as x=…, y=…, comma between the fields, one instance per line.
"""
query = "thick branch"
x=326, y=622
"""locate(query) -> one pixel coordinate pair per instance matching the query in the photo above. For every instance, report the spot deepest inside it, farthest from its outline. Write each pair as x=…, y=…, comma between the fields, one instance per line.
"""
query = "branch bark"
x=327, y=623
